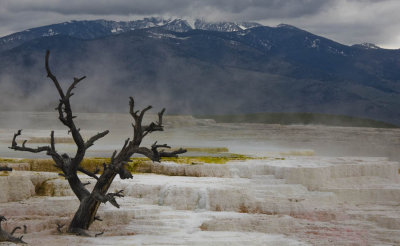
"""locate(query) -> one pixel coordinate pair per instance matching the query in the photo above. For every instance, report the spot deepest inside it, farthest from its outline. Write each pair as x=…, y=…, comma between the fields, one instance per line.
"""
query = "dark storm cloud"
x=274, y=8
x=356, y=21
x=346, y=21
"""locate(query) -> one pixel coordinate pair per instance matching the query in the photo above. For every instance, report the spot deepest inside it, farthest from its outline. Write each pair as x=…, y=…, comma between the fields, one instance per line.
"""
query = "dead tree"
x=90, y=201
x=9, y=237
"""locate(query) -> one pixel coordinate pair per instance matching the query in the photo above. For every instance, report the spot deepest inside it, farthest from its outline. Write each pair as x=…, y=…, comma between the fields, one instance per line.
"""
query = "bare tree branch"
x=15, y=229
x=155, y=155
x=8, y=237
x=59, y=227
x=88, y=173
x=172, y=153
x=72, y=86
x=96, y=137
x=109, y=197
x=160, y=115
x=52, y=142
x=144, y=111
x=65, y=113
x=97, y=218
x=132, y=108
x=49, y=150
x=52, y=77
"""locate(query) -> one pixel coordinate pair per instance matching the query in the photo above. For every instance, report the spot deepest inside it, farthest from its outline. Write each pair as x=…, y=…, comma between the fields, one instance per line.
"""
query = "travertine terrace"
x=294, y=193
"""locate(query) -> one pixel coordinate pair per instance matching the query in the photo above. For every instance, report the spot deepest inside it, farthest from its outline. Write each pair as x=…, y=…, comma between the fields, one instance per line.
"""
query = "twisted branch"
x=109, y=197
x=8, y=237
x=51, y=75
x=50, y=150
x=72, y=86
x=15, y=229
x=69, y=166
x=59, y=227
x=96, y=137
x=88, y=173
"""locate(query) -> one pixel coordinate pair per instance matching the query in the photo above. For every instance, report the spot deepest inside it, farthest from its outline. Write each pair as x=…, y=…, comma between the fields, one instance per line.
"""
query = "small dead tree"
x=9, y=237
x=90, y=201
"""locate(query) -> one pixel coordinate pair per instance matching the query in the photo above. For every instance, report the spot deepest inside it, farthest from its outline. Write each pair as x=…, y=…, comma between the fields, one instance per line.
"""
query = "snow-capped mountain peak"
x=89, y=29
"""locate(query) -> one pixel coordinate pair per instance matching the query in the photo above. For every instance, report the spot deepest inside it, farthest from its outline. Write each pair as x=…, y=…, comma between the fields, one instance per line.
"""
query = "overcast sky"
x=345, y=21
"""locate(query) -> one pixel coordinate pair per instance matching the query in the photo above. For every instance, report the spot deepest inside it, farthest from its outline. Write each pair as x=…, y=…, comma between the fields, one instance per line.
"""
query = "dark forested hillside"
x=196, y=71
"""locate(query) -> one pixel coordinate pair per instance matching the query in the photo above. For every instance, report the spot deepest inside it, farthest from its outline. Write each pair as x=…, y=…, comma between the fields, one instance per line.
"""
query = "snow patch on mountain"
x=312, y=43
x=217, y=26
x=336, y=51
x=191, y=22
x=164, y=35
x=178, y=25
x=367, y=46
x=116, y=30
x=49, y=33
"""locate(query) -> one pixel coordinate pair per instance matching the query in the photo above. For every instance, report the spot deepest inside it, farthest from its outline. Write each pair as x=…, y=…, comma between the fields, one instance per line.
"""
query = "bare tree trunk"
x=86, y=213
x=84, y=216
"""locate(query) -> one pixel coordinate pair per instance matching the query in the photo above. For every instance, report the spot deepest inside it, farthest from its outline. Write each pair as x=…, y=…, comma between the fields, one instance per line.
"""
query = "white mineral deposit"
x=304, y=185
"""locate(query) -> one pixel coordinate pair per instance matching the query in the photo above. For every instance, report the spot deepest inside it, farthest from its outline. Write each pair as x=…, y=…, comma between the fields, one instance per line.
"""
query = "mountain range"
x=199, y=67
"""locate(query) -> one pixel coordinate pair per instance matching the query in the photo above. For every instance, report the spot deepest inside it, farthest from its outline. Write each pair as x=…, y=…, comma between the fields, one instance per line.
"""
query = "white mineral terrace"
x=315, y=185
x=291, y=201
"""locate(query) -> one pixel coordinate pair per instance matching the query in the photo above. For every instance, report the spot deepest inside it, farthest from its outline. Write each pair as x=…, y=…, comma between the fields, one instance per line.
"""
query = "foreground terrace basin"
x=296, y=185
